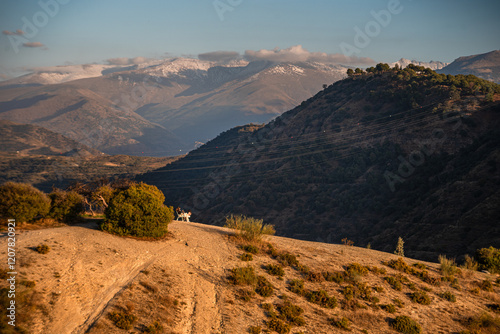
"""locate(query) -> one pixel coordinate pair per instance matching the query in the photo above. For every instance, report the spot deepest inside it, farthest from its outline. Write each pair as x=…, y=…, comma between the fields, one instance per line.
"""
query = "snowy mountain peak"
x=433, y=65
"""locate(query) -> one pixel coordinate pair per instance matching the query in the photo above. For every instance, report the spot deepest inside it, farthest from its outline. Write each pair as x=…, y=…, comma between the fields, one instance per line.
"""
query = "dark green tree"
x=138, y=211
x=22, y=202
x=65, y=205
x=350, y=72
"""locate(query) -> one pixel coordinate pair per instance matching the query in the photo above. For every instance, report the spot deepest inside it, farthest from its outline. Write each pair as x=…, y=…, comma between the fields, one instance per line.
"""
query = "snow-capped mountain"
x=433, y=65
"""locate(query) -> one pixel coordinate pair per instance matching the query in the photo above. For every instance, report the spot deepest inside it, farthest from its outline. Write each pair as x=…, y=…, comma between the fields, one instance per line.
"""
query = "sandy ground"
x=89, y=273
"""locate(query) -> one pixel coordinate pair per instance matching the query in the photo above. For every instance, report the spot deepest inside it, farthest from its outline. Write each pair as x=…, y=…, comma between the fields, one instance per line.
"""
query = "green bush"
x=448, y=296
x=291, y=313
x=390, y=308
x=288, y=259
x=254, y=330
x=406, y=325
x=279, y=326
x=138, y=211
x=488, y=259
x=250, y=249
x=42, y=249
x=321, y=298
x=246, y=257
x=485, y=285
x=243, y=276
x=249, y=228
x=420, y=297
x=275, y=270
x=122, y=320
x=65, y=205
x=448, y=266
x=264, y=287
x=342, y=323
x=297, y=286
x=245, y=295
x=154, y=328
x=23, y=202
x=336, y=277
x=394, y=283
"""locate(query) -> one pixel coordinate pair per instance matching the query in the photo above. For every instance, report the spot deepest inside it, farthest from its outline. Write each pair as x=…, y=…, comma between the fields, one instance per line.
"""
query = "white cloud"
x=18, y=32
x=33, y=45
x=298, y=53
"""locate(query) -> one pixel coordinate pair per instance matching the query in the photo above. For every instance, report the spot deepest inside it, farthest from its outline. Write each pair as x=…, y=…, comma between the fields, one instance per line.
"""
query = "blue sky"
x=92, y=31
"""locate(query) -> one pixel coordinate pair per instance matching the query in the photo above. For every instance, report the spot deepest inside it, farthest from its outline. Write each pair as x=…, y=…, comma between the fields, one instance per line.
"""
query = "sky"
x=353, y=32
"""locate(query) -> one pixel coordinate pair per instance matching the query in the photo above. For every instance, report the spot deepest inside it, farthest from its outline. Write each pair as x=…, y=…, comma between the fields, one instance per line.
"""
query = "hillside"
x=182, y=284
x=486, y=66
x=338, y=166
x=31, y=139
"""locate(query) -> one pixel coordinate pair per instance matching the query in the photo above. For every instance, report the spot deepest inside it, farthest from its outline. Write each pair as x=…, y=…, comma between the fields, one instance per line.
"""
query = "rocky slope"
x=485, y=65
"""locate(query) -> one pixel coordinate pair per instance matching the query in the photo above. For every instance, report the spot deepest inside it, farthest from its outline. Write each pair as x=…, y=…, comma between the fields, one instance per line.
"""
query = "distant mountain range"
x=168, y=107
x=486, y=66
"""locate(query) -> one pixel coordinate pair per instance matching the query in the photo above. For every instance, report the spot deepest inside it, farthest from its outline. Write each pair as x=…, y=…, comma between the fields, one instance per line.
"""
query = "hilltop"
x=376, y=156
x=485, y=65
x=182, y=283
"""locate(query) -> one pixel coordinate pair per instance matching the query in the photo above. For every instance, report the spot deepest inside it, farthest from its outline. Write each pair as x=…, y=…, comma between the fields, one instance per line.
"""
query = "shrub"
x=489, y=259
x=246, y=257
x=291, y=313
x=254, y=330
x=288, y=259
x=394, y=283
x=420, y=297
x=336, y=277
x=399, y=303
x=271, y=250
x=321, y=298
x=400, y=247
x=138, y=211
x=23, y=202
x=65, y=205
x=470, y=263
x=275, y=270
x=154, y=328
x=314, y=276
x=485, y=285
x=482, y=323
x=122, y=320
x=448, y=296
x=390, y=308
x=245, y=295
x=250, y=249
x=355, y=269
x=249, y=228
x=279, y=326
x=243, y=276
x=343, y=323
x=448, y=266
x=43, y=249
x=297, y=286
x=405, y=324
x=264, y=287
x=420, y=266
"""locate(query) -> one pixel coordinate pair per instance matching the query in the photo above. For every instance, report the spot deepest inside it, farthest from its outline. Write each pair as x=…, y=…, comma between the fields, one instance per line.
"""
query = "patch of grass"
x=485, y=285
x=406, y=325
x=321, y=298
x=420, y=297
x=447, y=266
x=271, y=250
x=356, y=269
x=342, y=323
x=482, y=323
x=297, y=286
x=122, y=320
x=254, y=329
x=245, y=295
x=279, y=326
x=243, y=276
x=314, y=276
x=246, y=257
x=390, y=308
x=291, y=313
x=43, y=249
x=264, y=287
x=419, y=265
x=399, y=303
x=287, y=259
x=448, y=296
x=470, y=263
x=377, y=270
x=275, y=270
x=394, y=283
x=249, y=228
x=154, y=328
x=336, y=277
x=250, y=249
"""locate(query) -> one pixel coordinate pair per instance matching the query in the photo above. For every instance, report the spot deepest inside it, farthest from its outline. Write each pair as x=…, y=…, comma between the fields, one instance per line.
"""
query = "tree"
x=399, y=247
x=350, y=72
x=381, y=67
x=65, y=205
x=138, y=211
x=22, y=202
x=358, y=70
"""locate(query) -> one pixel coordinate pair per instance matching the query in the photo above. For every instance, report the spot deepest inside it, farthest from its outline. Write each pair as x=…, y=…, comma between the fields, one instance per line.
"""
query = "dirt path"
x=86, y=269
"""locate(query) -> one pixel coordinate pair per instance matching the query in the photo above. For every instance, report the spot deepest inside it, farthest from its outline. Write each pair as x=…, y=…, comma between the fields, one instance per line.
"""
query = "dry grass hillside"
x=93, y=282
